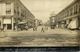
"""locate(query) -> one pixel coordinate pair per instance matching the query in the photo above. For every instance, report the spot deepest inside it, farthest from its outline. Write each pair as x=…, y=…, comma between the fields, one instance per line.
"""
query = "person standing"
x=42, y=30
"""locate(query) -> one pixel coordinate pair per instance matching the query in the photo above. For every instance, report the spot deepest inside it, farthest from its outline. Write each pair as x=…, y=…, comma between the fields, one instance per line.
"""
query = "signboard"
x=7, y=21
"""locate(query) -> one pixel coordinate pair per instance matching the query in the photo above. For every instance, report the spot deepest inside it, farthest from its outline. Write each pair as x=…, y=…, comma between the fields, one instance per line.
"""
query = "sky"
x=43, y=9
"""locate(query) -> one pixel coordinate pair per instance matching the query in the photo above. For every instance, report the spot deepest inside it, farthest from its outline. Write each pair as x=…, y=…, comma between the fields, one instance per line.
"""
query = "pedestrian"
x=36, y=28
x=47, y=28
x=33, y=29
x=15, y=28
x=42, y=30
x=2, y=29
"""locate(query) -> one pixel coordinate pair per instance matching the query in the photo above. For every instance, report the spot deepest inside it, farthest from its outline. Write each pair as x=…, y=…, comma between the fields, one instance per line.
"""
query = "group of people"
x=42, y=28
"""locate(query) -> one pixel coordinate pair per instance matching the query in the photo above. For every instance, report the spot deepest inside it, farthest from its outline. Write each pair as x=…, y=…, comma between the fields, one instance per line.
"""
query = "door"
x=9, y=26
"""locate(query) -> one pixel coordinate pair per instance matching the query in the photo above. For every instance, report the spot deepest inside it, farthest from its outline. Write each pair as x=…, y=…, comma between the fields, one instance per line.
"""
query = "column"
x=1, y=22
x=6, y=27
x=57, y=25
x=12, y=23
x=67, y=23
x=79, y=22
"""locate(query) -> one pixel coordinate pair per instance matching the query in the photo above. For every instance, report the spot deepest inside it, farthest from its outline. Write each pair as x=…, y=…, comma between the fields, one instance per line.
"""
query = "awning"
x=21, y=22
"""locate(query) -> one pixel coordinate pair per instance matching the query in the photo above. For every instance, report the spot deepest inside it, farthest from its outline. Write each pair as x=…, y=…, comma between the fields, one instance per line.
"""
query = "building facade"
x=69, y=17
x=37, y=22
x=13, y=12
x=52, y=22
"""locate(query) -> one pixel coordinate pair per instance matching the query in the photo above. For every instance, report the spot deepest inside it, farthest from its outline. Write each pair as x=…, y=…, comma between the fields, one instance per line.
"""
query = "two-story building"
x=69, y=17
x=13, y=12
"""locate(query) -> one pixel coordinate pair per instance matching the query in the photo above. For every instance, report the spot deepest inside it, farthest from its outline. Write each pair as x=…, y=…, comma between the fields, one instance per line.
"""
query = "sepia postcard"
x=38, y=23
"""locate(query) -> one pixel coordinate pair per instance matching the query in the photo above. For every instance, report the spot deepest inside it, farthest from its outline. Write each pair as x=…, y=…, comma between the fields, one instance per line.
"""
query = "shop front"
x=8, y=24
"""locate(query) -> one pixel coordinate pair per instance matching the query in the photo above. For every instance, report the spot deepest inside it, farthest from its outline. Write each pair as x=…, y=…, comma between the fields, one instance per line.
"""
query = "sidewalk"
x=62, y=31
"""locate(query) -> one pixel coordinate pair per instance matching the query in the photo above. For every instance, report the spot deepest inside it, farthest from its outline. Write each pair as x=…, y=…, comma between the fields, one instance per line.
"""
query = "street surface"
x=50, y=37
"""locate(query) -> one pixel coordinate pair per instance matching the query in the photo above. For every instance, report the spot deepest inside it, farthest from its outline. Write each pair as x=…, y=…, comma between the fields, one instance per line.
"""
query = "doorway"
x=7, y=26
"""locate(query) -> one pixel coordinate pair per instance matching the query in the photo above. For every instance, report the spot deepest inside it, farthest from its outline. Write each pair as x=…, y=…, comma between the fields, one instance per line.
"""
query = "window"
x=68, y=12
x=71, y=11
x=8, y=12
x=76, y=9
x=8, y=8
x=79, y=8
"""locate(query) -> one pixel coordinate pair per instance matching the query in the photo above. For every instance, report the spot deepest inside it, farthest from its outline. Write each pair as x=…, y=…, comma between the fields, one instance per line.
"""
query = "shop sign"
x=7, y=21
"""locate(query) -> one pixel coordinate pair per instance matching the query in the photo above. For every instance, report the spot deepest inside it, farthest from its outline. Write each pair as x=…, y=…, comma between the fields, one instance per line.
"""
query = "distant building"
x=13, y=12
x=52, y=22
x=37, y=22
x=40, y=22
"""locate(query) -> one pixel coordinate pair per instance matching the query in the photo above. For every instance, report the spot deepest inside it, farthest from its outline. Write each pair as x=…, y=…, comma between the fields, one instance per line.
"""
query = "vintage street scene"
x=39, y=23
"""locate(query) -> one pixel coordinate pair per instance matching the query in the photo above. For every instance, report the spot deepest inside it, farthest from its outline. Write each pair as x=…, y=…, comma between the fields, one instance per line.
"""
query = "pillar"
x=12, y=23
x=1, y=22
x=57, y=25
x=67, y=23
x=79, y=22
x=5, y=28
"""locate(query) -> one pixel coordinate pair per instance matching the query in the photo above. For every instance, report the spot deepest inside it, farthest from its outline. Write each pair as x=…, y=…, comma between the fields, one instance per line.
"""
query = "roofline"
x=68, y=6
